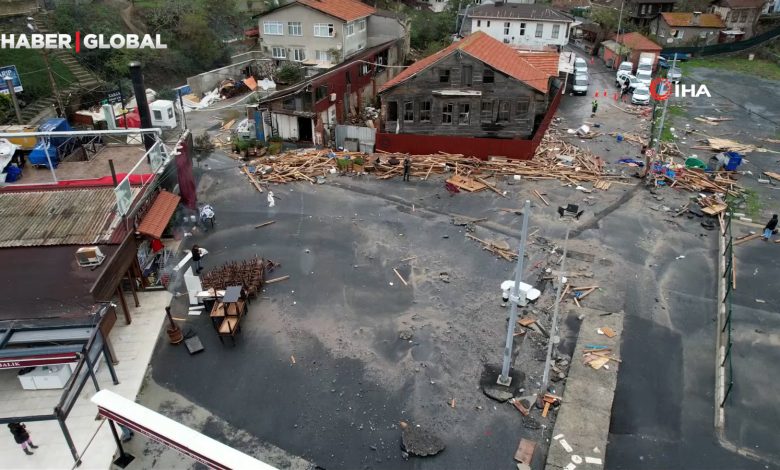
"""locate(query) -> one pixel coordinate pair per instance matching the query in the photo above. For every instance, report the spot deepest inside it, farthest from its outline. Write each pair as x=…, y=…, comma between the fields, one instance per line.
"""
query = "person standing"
x=22, y=437
x=623, y=92
x=594, y=108
x=196, y=255
x=407, y=168
x=770, y=227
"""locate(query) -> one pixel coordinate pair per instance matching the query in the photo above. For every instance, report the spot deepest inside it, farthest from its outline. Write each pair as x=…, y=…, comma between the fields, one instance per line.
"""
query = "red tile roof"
x=637, y=42
x=347, y=10
x=485, y=49
x=547, y=62
x=685, y=19
x=158, y=216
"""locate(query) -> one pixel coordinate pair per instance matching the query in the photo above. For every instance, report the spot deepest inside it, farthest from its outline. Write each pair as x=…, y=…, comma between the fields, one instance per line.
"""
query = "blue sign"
x=9, y=71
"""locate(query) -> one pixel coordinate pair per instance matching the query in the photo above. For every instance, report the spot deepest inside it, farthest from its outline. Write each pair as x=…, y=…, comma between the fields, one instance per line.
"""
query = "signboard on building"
x=124, y=196
x=157, y=157
x=566, y=62
x=6, y=72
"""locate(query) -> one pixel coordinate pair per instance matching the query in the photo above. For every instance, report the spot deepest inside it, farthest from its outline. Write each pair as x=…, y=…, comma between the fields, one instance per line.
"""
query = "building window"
x=294, y=28
x=365, y=69
x=463, y=113
x=350, y=29
x=362, y=25
x=487, y=111
x=157, y=114
x=322, y=56
x=488, y=23
x=642, y=9
x=506, y=28
x=298, y=54
x=539, y=29
x=278, y=52
x=503, y=111
x=466, y=73
x=446, y=113
x=744, y=16
x=409, y=111
x=556, y=31
x=479, y=23
x=506, y=40
x=320, y=92
x=289, y=104
x=522, y=29
x=522, y=108
x=425, y=111
x=392, y=111
x=488, y=76
x=324, y=30
x=444, y=75
x=273, y=28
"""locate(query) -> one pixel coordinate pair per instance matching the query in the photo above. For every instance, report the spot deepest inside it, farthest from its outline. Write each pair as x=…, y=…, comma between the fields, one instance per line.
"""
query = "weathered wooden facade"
x=463, y=96
x=481, y=88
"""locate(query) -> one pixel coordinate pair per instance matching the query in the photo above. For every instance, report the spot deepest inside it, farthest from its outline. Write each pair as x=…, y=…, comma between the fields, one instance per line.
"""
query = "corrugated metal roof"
x=45, y=218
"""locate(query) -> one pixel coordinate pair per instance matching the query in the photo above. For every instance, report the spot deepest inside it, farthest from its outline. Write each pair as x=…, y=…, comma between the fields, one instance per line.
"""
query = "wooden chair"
x=230, y=326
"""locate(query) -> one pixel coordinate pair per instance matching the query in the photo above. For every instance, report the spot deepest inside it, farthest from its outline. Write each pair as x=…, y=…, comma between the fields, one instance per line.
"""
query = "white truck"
x=647, y=61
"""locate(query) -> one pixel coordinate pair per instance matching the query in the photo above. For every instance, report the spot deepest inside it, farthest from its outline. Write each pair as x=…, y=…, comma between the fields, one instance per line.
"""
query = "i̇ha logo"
x=79, y=41
x=661, y=89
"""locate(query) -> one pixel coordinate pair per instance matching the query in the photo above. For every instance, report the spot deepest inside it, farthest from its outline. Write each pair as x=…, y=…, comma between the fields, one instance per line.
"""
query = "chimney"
x=137, y=77
x=695, y=18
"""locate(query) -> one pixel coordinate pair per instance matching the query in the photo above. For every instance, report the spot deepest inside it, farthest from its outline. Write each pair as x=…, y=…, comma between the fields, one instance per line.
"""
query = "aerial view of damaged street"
x=329, y=234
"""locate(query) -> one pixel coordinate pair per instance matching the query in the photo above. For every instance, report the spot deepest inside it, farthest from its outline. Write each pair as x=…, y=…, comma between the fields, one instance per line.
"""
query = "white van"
x=580, y=84
x=580, y=66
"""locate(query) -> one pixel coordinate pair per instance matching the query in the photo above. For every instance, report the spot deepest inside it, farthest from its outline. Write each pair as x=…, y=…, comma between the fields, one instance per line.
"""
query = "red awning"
x=158, y=216
x=34, y=360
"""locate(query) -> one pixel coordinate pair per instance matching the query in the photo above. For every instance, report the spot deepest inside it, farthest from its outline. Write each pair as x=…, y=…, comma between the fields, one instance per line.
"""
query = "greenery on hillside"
x=194, y=31
x=32, y=71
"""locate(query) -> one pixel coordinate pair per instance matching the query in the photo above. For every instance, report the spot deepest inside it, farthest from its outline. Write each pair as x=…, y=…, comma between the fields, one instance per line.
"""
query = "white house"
x=439, y=5
x=316, y=32
x=531, y=26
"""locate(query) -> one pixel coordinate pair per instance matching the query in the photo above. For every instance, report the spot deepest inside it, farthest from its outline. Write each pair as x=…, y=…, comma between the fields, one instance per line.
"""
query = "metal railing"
x=725, y=329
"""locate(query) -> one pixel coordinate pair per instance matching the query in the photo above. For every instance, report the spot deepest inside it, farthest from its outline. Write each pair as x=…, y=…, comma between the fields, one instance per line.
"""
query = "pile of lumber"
x=712, y=205
x=554, y=159
x=696, y=180
x=726, y=145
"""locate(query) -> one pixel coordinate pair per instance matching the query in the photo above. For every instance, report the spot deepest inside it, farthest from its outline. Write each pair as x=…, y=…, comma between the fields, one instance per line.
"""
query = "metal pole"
x=183, y=114
x=620, y=22
x=46, y=145
x=515, y=298
x=554, y=325
x=54, y=88
x=68, y=438
x=9, y=83
x=122, y=100
x=657, y=142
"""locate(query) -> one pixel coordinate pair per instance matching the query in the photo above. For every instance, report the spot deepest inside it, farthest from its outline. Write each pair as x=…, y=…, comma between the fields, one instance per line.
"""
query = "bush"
x=289, y=74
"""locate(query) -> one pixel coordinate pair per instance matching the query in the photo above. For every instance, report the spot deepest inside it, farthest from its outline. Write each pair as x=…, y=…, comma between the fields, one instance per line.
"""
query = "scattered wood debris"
x=525, y=451
x=277, y=279
x=498, y=248
x=265, y=224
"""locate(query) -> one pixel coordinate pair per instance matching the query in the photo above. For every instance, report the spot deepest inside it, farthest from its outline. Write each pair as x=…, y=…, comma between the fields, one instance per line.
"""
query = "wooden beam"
x=123, y=302
x=132, y=287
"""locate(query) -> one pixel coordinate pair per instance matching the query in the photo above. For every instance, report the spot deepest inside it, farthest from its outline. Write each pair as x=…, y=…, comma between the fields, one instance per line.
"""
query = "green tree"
x=204, y=46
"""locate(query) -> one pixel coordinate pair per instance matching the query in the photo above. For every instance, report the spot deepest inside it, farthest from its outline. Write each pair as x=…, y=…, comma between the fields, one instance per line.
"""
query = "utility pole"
x=554, y=325
x=56, y=91
x=657, y=142
x=515, y=297
x=9, y=83
x=620, y=23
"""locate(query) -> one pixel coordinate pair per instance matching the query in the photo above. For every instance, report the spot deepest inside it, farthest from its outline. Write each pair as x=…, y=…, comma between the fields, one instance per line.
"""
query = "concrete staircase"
x=85, y=80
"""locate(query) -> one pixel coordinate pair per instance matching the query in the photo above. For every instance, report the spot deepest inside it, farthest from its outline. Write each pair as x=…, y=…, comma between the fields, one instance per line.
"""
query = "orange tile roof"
x=347, y=10
x=547, y=62
x=636, y=41
x=158, y=216
x=684, y=19
x=485, y=49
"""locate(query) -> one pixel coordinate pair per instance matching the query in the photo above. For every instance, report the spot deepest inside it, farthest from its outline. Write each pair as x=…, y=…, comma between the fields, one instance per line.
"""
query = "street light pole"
x=515, y=297
x=554, y=325
x=620, y=23
x=657, y=142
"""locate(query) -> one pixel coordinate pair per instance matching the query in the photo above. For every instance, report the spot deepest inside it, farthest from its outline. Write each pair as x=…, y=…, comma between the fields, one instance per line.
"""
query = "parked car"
x=666, y=59
x=641, y=95
x=644, y=77
x=632, y=81
x=625, y=67
x=645, y=65
x=580, y=66
x=580, y=84
x=674, y=74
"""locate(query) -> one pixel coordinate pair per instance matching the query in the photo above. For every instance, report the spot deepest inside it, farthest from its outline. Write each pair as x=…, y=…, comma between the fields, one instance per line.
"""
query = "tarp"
x=133, y=120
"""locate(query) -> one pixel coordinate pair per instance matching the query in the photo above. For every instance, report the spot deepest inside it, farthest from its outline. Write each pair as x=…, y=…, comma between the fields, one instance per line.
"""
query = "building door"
x=304, y=129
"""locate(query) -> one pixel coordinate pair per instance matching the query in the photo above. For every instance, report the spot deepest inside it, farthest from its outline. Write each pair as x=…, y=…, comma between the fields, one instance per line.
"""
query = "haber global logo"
x=662, y=88
x=79, y=41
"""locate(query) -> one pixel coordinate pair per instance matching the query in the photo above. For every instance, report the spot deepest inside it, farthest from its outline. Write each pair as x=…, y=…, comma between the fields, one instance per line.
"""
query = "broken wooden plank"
x=519, y=406
x=525, y=451
x=265, y=224
x=400, y=277
x=252, y=178
x=608, y=332
x=541, y=197
x=527, y=321
x=490, y=186
x=277, y=279
x=747, y=239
